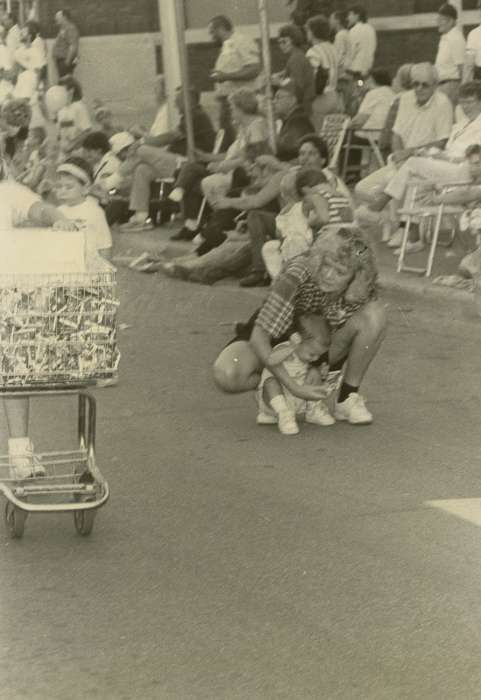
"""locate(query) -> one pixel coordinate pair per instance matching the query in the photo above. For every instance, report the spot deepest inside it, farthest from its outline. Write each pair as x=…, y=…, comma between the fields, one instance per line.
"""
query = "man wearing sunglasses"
x=424, y=120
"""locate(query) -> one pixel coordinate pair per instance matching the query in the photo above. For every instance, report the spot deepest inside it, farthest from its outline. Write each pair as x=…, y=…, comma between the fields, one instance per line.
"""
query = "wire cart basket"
x=58, y=335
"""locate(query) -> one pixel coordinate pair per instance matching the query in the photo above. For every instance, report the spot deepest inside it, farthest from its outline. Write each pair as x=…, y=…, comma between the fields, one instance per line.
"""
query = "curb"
x=157, y=241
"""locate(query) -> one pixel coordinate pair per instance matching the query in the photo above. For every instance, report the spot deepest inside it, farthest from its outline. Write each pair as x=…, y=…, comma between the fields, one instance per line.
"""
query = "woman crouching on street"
x=336, y=281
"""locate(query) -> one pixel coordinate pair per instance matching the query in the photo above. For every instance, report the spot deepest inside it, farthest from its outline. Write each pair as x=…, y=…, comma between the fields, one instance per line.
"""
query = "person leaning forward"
x=336, y=281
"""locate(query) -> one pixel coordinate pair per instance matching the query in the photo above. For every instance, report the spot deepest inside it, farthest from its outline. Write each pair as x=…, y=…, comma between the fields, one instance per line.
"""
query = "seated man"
x=424, y=119
x=161, y=156
x=447, y=166
x=337, y=282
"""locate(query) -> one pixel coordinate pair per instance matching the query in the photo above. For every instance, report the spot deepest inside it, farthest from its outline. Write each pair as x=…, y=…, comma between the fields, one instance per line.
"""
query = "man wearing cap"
x=424, y=120
x=472, y=65
x=161, y=156
x=451, y=52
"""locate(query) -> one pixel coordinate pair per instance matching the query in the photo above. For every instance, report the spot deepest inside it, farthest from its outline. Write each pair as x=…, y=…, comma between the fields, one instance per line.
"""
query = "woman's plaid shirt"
x=295, y=293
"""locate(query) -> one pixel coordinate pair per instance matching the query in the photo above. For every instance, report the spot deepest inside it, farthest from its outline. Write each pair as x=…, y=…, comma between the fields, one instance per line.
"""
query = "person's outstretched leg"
x=20, y=448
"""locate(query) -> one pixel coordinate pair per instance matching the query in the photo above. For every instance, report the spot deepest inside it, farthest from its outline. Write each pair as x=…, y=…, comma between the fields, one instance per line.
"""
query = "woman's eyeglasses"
x=417, y=84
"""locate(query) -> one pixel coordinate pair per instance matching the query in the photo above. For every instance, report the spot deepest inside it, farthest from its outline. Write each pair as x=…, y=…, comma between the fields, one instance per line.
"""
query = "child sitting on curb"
x=300, y=223
x=276, y=404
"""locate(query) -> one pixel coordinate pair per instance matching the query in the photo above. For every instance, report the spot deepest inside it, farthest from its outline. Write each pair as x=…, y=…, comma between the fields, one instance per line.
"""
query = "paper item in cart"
x=39, y=251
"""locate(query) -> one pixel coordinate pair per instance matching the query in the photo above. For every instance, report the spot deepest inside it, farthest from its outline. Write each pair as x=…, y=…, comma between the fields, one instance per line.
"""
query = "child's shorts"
x=296, y=406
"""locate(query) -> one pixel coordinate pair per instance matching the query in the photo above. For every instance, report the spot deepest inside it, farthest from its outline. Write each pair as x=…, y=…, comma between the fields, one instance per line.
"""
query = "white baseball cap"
x=122, y=140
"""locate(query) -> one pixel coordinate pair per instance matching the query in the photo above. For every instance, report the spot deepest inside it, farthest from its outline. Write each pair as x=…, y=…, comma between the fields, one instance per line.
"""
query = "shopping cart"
x=58, y=337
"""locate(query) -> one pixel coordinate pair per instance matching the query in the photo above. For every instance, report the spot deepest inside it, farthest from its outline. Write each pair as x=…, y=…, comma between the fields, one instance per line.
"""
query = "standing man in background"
x=472, y=65
x=363, y=42
x=451, y=52
x=66, y=46
x=238, y=65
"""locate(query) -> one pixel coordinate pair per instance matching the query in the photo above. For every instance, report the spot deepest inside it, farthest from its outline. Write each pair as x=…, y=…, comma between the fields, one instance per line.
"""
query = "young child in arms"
x=276, y=404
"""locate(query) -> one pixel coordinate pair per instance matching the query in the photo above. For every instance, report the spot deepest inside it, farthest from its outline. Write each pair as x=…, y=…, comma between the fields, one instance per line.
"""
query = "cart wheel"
x=15, y=520
x=84, y=521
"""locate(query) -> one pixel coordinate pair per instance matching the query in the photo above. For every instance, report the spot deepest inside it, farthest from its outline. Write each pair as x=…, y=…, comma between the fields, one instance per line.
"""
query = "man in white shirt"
x=451, y=52
x=17, y=206
x=447, y=166
x=424, y=120
x=472, y=63
x=238, y=65
x=363, y=41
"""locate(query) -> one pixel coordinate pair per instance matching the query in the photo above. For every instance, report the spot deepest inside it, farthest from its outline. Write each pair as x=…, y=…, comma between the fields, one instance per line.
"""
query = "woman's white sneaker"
x=317, y=413
x=353, y=410
x=24, y=464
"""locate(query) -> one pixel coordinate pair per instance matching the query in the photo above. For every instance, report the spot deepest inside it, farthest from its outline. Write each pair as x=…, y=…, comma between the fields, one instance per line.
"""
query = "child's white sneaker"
x=317, y=413
x=287, y=423
x=24, y=464
x=266, y=418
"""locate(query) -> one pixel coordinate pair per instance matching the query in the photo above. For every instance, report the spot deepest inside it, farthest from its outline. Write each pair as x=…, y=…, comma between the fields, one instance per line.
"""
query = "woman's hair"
x=341, y=16
x=319, y=27
x=245, y=100
x=309, y=177
x=359, y=11
x=472, y=89
x=381, y=76
x=319, y=144
x=293, y=33
x=473, y=150
x=33, y=28
x=96, y=141
x=69, y=83
x=223, y=22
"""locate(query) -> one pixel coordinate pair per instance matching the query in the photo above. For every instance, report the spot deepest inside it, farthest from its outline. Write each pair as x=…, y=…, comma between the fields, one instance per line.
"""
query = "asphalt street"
x=233, y=563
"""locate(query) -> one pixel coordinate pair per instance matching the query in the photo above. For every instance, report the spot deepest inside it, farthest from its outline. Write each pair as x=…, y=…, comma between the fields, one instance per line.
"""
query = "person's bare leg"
x=359, y=340
x=17, y=412
x=237, y=369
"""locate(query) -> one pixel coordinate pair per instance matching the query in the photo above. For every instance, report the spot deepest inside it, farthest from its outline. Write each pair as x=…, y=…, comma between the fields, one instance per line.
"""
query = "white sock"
x=279, y=404
x=177, y=194
x=139, y=216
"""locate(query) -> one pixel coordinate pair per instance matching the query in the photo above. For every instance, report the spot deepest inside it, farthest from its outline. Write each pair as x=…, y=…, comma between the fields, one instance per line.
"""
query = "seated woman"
x=194, y=180
x=312, y=153
x=73, y=120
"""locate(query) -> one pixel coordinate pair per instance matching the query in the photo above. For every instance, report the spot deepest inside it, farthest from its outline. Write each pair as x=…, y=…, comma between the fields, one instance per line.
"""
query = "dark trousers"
x=225, y=122
x=64, y=68
x=189, y=178
x=262, y=228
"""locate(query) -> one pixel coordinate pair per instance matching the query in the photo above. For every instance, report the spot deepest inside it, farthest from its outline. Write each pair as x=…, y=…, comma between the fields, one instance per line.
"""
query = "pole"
x=170, y=55
x=184, y=69
x=266, y=56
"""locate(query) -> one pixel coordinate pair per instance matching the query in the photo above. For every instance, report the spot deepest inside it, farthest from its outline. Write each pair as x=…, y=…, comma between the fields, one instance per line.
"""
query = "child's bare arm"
x=460, y=195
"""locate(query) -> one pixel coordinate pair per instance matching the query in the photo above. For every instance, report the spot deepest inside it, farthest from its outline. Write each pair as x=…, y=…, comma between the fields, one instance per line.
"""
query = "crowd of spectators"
x=272, y=214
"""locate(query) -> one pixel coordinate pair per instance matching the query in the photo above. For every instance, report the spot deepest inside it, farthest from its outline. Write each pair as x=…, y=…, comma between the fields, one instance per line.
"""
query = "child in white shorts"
x=276, y=404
